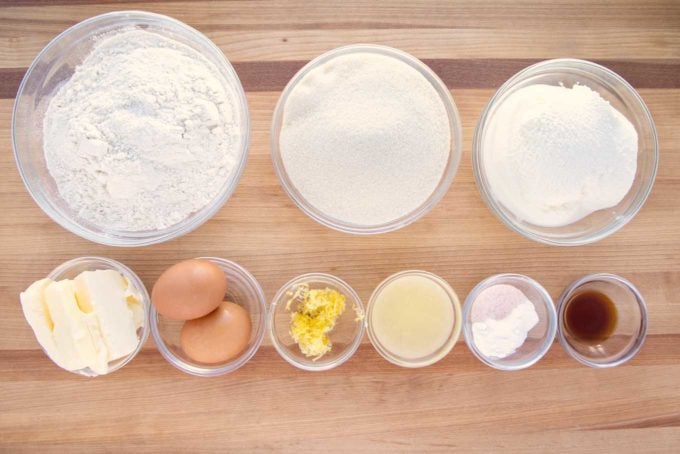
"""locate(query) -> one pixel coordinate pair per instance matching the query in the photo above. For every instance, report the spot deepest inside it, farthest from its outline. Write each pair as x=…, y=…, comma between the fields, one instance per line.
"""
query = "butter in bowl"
x=89, y=315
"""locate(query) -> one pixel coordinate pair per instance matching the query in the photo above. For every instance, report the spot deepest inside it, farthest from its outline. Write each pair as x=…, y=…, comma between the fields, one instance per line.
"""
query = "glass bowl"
x=445, y=348
x=621, y=96
x=73, y=267
x=53, y=66
x=244, y=290
x=539, y=339
x=631, y=325
x=449, y=170
x=346, y=336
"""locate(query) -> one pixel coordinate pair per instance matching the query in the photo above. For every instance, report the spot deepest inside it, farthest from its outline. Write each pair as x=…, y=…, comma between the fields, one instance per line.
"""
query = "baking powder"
x=502, y=317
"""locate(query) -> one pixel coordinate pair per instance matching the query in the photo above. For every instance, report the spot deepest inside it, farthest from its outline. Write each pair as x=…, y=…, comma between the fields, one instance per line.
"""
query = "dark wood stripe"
x=491, y=73
x=672, y=420
x=456, y=74
x=9, y=81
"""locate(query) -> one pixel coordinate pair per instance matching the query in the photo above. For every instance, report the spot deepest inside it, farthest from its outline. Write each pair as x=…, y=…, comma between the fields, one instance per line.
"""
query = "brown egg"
x=220, y=336
x=189, y=289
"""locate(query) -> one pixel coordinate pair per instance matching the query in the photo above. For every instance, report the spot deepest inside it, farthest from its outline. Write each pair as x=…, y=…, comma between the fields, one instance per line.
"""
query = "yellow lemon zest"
x=315, y=316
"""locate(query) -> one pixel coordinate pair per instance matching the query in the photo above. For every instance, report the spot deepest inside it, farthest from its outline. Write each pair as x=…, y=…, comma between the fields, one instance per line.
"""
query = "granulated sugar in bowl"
x=366, y=139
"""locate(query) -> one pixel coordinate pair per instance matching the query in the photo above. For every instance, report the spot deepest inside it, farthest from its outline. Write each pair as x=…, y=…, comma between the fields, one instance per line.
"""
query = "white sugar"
x=365, y=138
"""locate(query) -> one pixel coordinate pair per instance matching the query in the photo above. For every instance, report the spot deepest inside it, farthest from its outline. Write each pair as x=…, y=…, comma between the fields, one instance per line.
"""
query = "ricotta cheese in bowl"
x=565, y=152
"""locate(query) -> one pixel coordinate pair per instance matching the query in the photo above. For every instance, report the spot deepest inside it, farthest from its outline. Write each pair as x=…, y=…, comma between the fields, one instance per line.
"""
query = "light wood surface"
x=367, y=404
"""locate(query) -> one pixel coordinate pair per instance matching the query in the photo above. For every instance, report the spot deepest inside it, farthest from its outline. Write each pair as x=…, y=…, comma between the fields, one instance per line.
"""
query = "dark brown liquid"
x=590, y=316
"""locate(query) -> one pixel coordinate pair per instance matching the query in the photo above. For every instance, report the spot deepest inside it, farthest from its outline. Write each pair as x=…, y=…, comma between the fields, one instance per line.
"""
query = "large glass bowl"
x=445, y=180
x=621, y=96
x=53, y=66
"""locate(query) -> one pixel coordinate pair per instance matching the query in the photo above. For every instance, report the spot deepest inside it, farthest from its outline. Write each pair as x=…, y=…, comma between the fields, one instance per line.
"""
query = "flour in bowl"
x=145, y=133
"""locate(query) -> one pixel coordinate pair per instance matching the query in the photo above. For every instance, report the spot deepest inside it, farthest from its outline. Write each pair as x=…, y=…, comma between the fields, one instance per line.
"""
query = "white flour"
x=365, y=138
x=143, y=134
x=553, y=155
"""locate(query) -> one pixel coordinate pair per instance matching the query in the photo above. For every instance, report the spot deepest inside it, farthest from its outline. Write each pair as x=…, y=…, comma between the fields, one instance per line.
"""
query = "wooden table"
x=367, y=403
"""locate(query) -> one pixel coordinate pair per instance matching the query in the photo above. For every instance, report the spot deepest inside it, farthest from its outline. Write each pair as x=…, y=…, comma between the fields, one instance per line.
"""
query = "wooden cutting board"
x=366, y=404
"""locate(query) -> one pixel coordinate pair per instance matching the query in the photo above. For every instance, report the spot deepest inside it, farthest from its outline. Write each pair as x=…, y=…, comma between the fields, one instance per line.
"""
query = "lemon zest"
x=316, y=312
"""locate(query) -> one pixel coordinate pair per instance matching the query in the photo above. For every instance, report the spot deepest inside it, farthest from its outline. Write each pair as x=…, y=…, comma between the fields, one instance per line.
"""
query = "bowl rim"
x=551, y=321
x=140, y=289
x=133, y=239
x=448, y=174
x=234, y=364
x=644, y=323
x=456, y=328
x=349, y=351
x=557, y=65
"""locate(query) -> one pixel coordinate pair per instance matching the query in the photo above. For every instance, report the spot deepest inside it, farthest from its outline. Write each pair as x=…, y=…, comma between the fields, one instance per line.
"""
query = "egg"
x=189, y=290
x=218, y=337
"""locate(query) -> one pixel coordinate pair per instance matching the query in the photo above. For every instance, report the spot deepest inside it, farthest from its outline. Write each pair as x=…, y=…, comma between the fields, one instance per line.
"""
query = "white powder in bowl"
x=365, y=138
x=553, y=155
x=143, y=134
x=502, y=317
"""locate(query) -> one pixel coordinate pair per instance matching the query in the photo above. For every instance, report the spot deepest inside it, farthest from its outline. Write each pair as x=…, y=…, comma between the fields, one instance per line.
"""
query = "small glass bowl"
x=346, y=336
x=444, y=350
x=539, y=339
x=622, y=96
x=449, y=170
x=631, y=325
x=53, y=66
x=244, y=290
x=73, y=267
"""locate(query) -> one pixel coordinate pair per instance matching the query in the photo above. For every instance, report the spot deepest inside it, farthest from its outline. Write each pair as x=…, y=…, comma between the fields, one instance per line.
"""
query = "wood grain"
x=367, y=404
x=455, y=73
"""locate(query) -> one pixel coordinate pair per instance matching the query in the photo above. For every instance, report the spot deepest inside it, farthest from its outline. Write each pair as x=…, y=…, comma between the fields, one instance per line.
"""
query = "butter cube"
x=103, y=293
x=74, y=333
